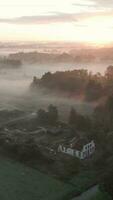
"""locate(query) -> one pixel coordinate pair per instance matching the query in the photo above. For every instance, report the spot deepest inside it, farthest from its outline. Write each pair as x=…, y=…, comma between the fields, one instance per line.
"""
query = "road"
x=88, y=194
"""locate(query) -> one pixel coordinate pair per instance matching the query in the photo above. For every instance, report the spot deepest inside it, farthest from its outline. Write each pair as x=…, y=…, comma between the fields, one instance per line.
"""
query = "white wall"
x=87, y=150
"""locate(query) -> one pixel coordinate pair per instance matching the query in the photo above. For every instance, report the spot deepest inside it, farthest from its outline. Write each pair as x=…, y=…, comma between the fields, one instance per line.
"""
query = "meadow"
x=18, y=182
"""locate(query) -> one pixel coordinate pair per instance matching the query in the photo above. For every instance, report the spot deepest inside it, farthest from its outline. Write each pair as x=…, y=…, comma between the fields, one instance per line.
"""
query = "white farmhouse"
x=80, y=148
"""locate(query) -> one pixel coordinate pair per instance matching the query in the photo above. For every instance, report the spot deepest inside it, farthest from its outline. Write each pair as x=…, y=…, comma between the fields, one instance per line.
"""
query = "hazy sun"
x=98, y=29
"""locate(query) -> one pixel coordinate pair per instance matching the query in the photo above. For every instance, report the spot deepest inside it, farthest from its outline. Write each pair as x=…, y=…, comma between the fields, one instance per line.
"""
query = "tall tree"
x=42, y=116
x=73, y=117
x=52, y=114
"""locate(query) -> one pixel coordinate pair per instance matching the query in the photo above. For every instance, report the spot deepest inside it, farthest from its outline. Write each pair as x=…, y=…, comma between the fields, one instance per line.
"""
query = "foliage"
x=75, y=82
x=78, y=82
x=94, y=90
x=73, y=117
x=10, y=63
x=103, y=115
x=49, y=117
x=79, y=121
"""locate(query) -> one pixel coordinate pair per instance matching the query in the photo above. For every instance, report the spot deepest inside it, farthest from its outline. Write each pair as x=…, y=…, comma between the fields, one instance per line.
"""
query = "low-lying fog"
x=15, y=94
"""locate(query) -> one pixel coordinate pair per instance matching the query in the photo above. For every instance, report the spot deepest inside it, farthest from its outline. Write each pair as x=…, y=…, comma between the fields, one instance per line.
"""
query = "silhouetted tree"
x=78, y=121
x=42, y=116
x=93, y=91
x=52, y=114
x=73, y=117
x=48, y=117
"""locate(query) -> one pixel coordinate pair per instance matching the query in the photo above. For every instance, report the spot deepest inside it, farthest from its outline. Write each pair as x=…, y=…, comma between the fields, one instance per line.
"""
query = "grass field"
x=84, y=180
x=18, y=182
x=101, y=196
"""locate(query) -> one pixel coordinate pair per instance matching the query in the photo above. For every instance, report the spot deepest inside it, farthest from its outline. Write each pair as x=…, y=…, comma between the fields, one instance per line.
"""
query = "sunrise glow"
x=61, y=20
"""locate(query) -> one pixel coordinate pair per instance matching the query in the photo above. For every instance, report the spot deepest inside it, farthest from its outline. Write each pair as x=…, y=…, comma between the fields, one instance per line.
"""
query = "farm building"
x=80, y=148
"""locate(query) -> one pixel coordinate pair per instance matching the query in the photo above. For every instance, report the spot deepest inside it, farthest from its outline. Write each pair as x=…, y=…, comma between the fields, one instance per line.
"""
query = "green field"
x=101, y=196
x=84, y=180
x=18, y=182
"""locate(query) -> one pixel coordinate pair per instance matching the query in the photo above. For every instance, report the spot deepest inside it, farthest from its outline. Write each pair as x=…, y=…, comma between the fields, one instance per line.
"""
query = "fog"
x=15, y=93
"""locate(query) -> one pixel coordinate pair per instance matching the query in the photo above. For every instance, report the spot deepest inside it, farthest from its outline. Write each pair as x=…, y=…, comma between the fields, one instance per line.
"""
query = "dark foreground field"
x=18, y=182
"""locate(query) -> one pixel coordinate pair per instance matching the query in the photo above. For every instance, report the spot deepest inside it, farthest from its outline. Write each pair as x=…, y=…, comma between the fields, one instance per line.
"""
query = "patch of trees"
x=103, y=115
x=102, y=124
x=102, y=120
x=94, y=90
x=12, y=63
x=68, y=81
x=78, y=82
x=84, y=55
x=49, y=117
x=76, y=121
x=38, y=57
x=79, y=121
x=103, y=135
x=22, y=148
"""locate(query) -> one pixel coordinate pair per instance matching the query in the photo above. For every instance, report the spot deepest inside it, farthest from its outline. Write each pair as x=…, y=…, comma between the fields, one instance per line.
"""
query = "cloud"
x=56, y=17
x=104, y=2
x=96, y=4
x=41, y=19
x=85, y=5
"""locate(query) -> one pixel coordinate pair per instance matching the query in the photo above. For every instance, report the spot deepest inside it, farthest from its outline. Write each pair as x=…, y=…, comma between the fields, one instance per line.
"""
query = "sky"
x=89, y=21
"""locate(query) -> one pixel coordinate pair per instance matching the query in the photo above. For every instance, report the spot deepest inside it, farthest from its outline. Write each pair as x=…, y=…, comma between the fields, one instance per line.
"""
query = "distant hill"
x=81, y=55
x=35, y=57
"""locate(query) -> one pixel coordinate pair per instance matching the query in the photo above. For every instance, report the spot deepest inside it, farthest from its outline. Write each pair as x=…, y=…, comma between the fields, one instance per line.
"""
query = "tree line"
x=78, y=82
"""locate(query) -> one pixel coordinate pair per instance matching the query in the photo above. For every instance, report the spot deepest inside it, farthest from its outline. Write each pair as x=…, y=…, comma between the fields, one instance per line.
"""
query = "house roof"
x=77, y=143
